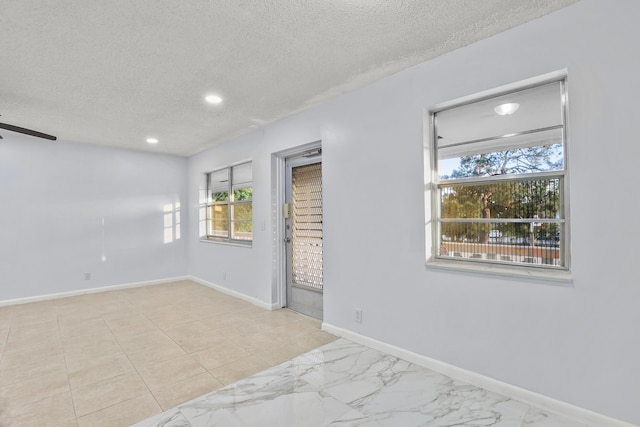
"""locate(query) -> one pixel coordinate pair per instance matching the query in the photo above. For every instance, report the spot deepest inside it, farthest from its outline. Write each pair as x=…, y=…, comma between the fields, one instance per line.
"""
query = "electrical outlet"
x=224, y=276
x=358, y=315
x=87, y=276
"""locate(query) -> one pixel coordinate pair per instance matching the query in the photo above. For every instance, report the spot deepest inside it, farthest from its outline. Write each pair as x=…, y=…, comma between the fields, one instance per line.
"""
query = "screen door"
x=303, y=235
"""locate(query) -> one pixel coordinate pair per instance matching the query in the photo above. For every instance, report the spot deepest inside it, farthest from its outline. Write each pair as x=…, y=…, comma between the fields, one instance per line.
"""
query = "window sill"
x=555, y=277
x=228, y=243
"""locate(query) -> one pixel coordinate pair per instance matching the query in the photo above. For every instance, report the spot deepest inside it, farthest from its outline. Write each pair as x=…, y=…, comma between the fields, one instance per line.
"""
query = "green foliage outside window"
x=221, y=196
x=242, y=194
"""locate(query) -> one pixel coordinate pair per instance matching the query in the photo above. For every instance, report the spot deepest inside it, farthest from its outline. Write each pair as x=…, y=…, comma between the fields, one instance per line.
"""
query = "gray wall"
x=577, y=344
x=54, y=197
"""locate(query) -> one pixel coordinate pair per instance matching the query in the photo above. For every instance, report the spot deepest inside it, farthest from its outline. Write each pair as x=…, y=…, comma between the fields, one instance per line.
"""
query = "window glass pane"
x=539, y=107
x=242, y=174
x=242, y=230
x=222, y=196
x=538, y=198
x=242, y=225
x=520, y=243
x=242, y=212
x=219, y=186
x=512, y=233
x=522, y=240
x=219, y=221
x=240, y=194
x=529, y=153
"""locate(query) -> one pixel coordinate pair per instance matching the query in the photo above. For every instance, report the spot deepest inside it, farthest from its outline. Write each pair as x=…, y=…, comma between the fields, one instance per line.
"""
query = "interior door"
x=303, y=234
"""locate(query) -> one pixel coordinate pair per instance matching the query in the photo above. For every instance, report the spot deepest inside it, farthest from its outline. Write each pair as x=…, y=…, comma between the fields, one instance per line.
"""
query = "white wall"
x=243, y=269
x=53, y=198
x=577, y=344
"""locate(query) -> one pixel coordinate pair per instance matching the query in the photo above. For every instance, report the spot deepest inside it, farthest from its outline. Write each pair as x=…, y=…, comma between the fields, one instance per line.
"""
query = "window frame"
x=230, y=203
x=434, y=184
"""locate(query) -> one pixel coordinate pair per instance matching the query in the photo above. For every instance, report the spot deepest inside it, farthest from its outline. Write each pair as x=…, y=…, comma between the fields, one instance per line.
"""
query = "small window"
x=500, y=180
x=229, y=210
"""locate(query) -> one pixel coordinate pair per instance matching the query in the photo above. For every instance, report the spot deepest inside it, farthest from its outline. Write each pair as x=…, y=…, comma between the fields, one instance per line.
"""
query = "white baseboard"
x=546, y=403
x=90, y=291
x=252, y=300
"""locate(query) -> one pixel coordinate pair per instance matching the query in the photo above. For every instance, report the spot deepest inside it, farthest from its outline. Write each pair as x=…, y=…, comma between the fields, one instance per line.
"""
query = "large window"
x=500, y=179
x=229, y=204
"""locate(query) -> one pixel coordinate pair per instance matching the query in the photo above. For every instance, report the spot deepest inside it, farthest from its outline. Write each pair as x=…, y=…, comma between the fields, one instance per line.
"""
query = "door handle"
x=287, y=239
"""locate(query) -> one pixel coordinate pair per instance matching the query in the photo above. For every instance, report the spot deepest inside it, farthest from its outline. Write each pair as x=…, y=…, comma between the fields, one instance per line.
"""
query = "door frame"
x=278, y=191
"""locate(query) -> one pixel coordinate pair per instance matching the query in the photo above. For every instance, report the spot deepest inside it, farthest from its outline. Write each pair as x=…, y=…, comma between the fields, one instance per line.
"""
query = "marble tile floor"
x=343, y=384
x=115, y=358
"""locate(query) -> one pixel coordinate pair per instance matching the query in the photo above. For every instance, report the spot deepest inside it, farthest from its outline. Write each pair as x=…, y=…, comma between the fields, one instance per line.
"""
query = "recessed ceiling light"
x=507, y=109
x=152, y=140
x=213, y=99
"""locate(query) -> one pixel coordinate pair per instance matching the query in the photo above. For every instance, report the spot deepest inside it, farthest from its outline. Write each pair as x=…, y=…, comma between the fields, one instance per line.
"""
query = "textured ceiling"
x=116, y=72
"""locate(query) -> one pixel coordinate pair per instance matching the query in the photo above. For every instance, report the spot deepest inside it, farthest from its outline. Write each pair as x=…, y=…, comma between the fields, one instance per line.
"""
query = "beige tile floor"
x=118, y=357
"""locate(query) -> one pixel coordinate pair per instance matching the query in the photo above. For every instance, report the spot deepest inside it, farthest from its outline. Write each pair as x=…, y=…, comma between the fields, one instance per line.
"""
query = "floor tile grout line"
x=135, y=368
x=34, y=402
x=116, y=404
x=148, y=391
x=168, y=336
x=217, y=378
x=66, y=367
x=184, y=379
x=6, y=339
x=73, y=400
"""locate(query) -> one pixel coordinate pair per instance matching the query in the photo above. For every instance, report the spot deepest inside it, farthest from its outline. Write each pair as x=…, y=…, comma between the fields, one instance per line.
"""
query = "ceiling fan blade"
x=27, y=131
